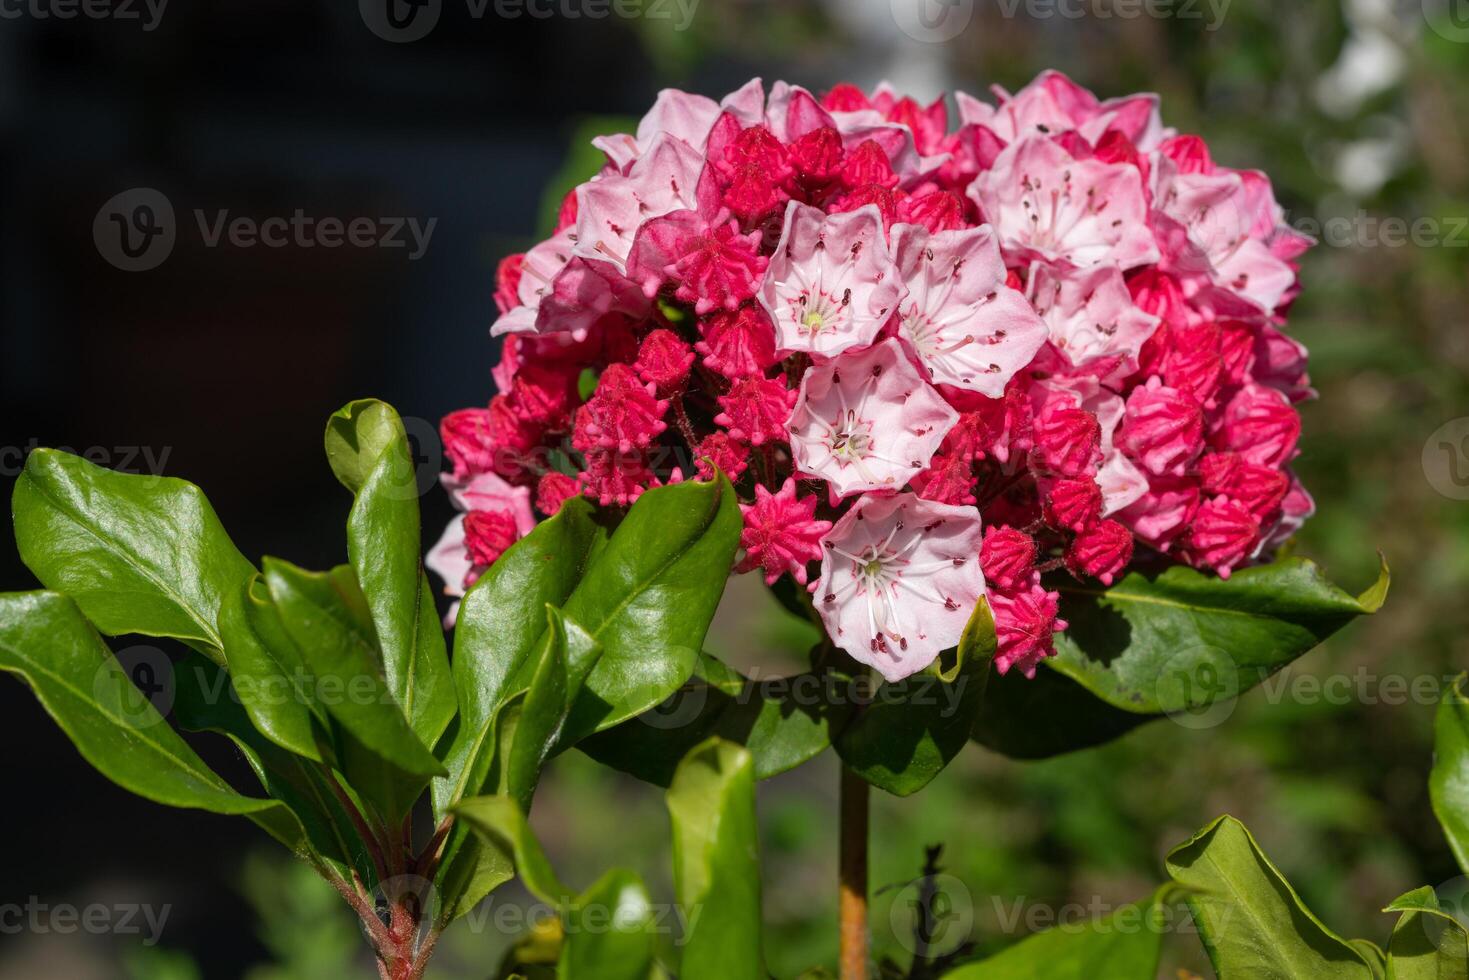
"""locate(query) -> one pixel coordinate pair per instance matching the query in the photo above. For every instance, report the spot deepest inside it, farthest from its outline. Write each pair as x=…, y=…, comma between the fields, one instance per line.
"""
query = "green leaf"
x=648, y=599
x=501, y=822
x=1251, y=921
x=138, y=554
x=382, y=756
x=1178, y=643
x=570, y=655
x=267, y=670
x=783, y=722
x=1448, y=783
x=45, y=640
x=322, y=829
x=501, y=625
x=716, y=862
x=368, y=449
x=1125, y=945
x=608, y=929
x=646, y=596
x=1428, y=943
x=1373, y=954
x=914, y=728
x=525, y=730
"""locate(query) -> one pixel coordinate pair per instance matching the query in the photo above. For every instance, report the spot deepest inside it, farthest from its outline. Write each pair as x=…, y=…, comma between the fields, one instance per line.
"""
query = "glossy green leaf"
x=648, y=599
x=1251, y=921
x=45, y=640
x=716, y=862
x=607, y=929
x=1428, y=942
x=322, y=829
x=138, y=554
x=1181, y=642
x=382, y=756
x=569, y=656
x=783, y=722
x=267, y=670
x=525, y=730
x=501, y=625
x=1448, y=783
x=1373, y=954
x=368, y=449
x=1125, y=945
x=500, y=820
x=907, y=736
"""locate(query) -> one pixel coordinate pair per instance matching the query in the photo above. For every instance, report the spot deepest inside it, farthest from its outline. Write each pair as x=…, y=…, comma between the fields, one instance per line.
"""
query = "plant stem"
x=852, y=898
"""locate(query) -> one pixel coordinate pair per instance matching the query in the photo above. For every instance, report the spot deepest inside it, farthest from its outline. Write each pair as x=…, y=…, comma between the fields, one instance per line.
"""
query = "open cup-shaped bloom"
x=867, y=421
x=960, y=318
x=900, y=577
x=831, y=283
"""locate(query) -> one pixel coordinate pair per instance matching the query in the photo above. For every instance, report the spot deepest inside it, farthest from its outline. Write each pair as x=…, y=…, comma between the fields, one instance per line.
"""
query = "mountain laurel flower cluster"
x=938, y=358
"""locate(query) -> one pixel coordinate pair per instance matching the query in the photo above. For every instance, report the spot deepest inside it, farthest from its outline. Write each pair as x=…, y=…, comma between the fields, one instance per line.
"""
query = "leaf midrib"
x=206, y=777
x=642, y=587
x=76, y=517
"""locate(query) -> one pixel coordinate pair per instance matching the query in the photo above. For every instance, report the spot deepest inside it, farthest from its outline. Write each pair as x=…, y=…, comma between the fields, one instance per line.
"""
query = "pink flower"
x=623, y=414
x=899, y=579
x=755, y=168
x=611, y=208
x=867, y=421
x=613, y=477
x=502, y=514
x=1259, y=424
x=831, y=283
x=781, y=533
x=719, y=269
x=755, y=410
x=664, y=360
x=1164, y=512
x=1222, y=536
x=1163, y=428
x=554, y=490
x=966, y=326
x=1054, y=103
x=1008, y=557
x=738, y=344
x=1073, y=505
x=1048, y=206
x=488, y=534
x=718, y=449
x=1207, y=224
x=948, y=480
x=1091, y=318
x=1259, y=489
x=1025, y=626
x=1068, y=441
x=1101, y=551
x=934, y=209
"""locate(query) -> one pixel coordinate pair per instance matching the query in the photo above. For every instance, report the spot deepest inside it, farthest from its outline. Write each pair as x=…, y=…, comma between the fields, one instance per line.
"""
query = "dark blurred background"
x=220, y=363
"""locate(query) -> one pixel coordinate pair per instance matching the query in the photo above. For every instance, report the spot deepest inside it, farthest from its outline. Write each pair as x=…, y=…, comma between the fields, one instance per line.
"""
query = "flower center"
x=851, y=438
